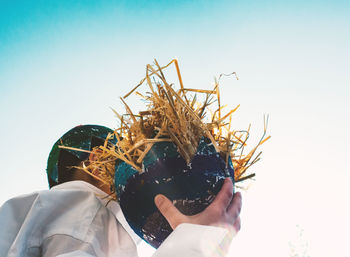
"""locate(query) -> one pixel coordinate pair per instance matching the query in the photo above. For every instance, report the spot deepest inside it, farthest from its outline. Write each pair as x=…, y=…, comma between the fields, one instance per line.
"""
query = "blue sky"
x=33, y=30
x=65, y=63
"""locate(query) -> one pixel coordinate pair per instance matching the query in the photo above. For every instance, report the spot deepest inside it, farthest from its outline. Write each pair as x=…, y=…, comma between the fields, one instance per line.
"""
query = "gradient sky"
x=65, y=63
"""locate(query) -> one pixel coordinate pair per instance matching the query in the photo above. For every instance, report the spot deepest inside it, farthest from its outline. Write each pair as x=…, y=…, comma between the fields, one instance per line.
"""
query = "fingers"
x=235, y=206
x=237, y=224
x=224, y=197
x=169, y=211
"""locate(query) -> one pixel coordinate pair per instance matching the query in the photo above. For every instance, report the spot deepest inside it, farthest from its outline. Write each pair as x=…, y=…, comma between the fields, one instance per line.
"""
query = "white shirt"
x=74, y=219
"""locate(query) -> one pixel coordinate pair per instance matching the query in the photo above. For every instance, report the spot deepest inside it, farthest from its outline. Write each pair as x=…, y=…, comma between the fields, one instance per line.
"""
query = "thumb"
x=169, y=211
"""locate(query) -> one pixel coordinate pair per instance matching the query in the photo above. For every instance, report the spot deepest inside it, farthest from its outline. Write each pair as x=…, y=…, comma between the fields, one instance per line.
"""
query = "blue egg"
x=191, y=187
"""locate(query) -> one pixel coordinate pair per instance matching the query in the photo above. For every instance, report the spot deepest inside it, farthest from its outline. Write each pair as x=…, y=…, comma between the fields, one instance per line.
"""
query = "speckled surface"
x=191, y=187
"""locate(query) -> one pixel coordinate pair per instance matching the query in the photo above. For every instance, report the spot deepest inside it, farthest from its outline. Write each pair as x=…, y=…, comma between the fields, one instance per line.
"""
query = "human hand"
x=222, y=212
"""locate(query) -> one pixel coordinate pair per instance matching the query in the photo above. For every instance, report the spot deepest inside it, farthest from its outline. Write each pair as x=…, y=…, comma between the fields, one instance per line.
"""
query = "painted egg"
x=191, y=187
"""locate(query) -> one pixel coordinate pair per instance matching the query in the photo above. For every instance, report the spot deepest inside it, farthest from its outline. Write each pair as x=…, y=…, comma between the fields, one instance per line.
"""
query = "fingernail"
x=158, y=199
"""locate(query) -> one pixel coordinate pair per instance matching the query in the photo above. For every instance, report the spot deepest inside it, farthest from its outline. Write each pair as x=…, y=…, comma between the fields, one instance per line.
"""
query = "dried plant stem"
x=176, y=116
x=74, y=149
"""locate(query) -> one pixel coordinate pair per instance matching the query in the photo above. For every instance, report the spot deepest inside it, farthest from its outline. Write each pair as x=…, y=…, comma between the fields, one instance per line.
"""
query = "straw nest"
x=173, y=115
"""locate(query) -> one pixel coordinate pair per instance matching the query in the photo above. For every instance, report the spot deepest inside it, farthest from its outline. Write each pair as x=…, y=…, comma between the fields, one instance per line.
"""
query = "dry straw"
x=176, y=116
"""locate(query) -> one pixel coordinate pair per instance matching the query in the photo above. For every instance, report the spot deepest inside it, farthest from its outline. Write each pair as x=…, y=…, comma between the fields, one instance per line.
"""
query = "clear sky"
x=65, y=63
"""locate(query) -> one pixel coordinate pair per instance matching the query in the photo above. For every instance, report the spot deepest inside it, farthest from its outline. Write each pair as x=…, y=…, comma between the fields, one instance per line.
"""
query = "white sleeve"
x=77, y=253
x=65, y=245
x=189, y=240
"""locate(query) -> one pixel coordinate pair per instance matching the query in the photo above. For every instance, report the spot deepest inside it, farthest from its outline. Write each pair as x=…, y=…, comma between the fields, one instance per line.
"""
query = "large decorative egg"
x=84, y=137
x=191, y=187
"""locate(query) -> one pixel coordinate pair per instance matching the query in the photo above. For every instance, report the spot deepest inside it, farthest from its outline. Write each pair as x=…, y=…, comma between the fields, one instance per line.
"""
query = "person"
x=77, y=218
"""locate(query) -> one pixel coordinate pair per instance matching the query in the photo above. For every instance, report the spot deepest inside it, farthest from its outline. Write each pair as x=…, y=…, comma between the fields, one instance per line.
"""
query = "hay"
x=176, y=116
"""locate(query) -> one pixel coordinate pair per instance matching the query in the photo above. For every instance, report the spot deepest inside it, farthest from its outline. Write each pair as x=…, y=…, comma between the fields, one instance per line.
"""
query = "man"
x=77, y=218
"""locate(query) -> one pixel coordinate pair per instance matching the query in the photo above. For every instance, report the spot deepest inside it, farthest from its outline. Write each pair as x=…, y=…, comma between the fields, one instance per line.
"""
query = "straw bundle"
x=176, y=116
